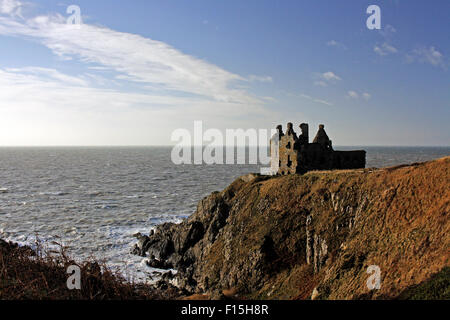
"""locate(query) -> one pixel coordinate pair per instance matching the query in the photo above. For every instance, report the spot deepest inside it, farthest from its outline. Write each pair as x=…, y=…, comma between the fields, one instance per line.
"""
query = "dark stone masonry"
x=297, y=155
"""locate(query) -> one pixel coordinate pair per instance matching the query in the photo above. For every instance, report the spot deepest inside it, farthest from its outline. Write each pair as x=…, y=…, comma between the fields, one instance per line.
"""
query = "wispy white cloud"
x=388, y=31
x=320, y=101
x=50, y=73
x=254, y=78
x=320, y=83
x=385, y=49
x=11, y=7
x=427, y=55
x=337, y=44
x=353, y=94
x=323, y=79
x=329, y=76
x=37, y=88
x=271, y=99
x=133, y=57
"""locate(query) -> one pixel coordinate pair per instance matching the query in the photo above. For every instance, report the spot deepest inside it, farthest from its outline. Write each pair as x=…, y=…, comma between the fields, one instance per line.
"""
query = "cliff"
x=315, y=235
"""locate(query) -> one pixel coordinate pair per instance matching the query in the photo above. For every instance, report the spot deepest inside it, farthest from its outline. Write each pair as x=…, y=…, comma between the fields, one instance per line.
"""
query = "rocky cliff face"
x=316, y=234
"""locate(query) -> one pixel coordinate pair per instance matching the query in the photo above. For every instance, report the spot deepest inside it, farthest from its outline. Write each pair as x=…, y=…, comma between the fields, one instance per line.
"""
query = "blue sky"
x=135, y=71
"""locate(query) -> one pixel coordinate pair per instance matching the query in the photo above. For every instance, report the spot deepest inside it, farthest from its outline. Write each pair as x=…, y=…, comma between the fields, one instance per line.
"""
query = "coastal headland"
x=340, y=234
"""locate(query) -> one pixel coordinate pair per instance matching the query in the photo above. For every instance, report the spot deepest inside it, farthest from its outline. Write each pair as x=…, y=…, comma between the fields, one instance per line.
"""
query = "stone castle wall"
x=297, y=155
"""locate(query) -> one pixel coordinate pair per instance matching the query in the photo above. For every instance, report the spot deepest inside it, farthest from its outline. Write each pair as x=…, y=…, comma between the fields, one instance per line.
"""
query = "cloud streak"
x=324, y=79
x=337, y=44
x=329, y=76
x=385, y=49
x=254, y=78
x=133, y=57
x=427, y=55
x=355, y=95
x=11, y=7
x=320, y=101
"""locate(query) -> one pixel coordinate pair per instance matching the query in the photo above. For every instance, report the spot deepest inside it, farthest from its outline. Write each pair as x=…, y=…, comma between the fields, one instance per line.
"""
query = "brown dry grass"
x=38, y=275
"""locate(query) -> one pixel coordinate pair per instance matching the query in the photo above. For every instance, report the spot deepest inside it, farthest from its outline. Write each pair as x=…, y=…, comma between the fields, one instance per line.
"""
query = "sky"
x=132, y=72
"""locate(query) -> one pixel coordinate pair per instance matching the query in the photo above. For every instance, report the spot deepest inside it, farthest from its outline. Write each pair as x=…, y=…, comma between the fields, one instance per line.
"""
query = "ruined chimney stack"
x=305, y=132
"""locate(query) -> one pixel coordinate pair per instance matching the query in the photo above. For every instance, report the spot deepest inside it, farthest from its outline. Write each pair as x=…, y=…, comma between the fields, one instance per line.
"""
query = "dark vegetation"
x=436, y=288
x=27, y=274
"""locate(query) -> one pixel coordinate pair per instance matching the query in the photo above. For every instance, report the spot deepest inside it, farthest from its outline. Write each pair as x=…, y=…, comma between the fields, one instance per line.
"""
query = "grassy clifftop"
x=289, y=236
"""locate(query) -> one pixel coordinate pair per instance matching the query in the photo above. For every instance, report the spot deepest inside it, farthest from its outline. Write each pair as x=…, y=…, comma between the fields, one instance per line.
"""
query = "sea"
x=92, y=200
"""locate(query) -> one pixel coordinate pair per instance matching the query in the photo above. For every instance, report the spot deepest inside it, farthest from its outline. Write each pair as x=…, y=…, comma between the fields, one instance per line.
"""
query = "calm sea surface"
x=94, y=199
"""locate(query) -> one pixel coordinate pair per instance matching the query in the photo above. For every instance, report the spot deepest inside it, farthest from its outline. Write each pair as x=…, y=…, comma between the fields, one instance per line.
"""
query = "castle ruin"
x=297, y=155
